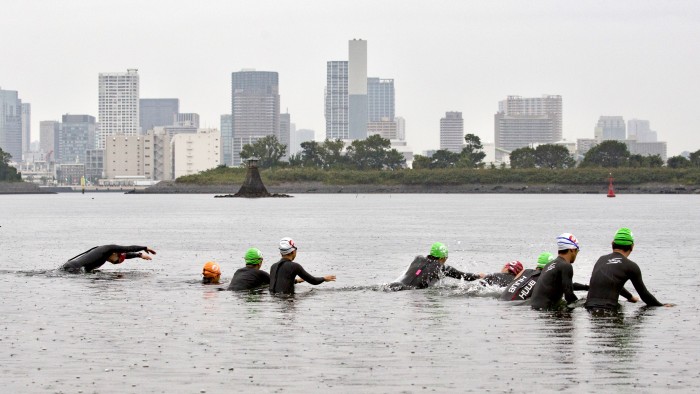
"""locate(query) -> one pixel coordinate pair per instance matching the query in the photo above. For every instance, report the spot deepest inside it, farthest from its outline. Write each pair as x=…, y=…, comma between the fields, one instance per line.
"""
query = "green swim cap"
x=253, y=256
x=544, y=259
x=439, y=250
x=624, y=236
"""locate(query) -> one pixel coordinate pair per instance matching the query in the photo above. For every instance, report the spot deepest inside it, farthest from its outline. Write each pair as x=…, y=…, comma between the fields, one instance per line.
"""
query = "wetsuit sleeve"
x=314, y=280
x=567, y=285
x=132, y=255
x=644, y=294
x=625, y=293
x=580, y=287
x=125, y=249
x=457, y=274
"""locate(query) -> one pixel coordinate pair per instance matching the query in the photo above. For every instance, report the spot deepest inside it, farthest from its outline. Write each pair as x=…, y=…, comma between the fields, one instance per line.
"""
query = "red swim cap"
x=514, y=267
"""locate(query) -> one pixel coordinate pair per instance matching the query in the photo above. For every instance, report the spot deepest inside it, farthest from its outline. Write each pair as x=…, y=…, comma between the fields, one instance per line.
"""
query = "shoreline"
x=171, y=187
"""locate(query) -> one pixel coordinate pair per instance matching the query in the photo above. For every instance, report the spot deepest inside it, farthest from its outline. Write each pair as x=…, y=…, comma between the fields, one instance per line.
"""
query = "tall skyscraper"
x=522, y=121
x=255, y=108
x=118, y=105
x=26, y=127
x=357, y=90
x=11, y=124
x=380, y=96
x=284, y=136
x=640, y=131
x=157, y=112
x=610, y=128
x=452, y=132
x=48, y=138
x=226, y=141
x=336, y=100
x=76, y=137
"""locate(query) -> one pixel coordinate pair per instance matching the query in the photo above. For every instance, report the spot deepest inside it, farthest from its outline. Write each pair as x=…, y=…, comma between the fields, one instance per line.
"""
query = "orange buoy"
x=611, y=192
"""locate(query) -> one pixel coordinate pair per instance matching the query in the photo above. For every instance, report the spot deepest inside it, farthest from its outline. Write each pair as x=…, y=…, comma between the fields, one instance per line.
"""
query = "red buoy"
x=611, y=192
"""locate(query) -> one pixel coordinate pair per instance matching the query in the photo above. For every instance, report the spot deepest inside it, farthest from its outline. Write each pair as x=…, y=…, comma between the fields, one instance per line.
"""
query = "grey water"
x=149, y=326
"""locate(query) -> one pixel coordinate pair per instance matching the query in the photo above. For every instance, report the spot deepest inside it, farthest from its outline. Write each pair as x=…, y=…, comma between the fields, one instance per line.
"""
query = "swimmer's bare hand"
x=669, y=305
x=298, y=280
x=482, y=275
x=329, y=278
x=146, y=257
x=634, y=299
x=149, y=250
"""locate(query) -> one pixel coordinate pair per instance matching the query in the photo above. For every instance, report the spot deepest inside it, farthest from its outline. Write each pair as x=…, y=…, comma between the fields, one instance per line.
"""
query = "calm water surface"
x=151, y=327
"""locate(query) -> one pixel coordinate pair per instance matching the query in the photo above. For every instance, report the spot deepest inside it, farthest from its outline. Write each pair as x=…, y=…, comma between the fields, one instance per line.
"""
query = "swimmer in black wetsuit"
x=211, y=273
x=425, y=271
x=285, y=273
x=610, y=274
x=251, y=276
x=521, y=288
x=94, y=258
x=556, y=278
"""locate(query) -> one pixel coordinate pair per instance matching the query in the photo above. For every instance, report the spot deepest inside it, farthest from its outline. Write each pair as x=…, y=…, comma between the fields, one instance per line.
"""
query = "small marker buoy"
x=611, y=192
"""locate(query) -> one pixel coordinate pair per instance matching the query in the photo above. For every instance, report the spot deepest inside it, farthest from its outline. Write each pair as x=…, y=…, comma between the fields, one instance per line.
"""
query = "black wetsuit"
x=247, y=278
x=424, y=271
x=95, y=257
x=283, y=275
x=609, y=275
x=500, y=279
x=521, y=288
x=554, y=281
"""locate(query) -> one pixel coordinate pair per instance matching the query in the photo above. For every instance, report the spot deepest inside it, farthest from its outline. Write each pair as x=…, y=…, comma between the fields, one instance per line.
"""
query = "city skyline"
x=631, y=59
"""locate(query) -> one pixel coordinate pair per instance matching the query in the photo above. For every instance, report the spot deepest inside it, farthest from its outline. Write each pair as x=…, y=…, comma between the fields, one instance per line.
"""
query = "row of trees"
x=372, y=153
x=471, y=156
x=7, y=172
x=375, y=153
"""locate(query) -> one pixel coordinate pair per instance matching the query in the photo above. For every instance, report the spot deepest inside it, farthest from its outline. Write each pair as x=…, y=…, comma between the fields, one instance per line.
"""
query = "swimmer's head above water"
x=211, y=273
x=438, y=251
x=288, y=248
x=253, y=258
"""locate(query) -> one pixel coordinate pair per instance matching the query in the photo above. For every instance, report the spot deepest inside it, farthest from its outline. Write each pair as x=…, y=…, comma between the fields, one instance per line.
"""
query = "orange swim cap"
x=211, y=270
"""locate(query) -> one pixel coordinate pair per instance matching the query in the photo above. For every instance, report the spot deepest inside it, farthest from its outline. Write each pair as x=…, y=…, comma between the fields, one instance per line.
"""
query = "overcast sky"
x=639, y=59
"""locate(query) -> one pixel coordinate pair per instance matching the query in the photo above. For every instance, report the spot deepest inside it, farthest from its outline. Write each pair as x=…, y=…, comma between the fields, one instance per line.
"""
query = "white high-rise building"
x=336, y=100
x=400, y=128
x=118, y=105
x=523, y=121
x=358, y=115
x=550, y=105
x=452, y=132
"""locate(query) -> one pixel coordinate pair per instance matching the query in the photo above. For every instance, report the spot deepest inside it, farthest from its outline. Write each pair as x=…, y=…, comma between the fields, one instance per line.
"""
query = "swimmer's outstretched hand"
x=146, y=257
x=329, y=278
x=149, y=250
x=298, y=280
x=669, y=305
x=634, y=299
